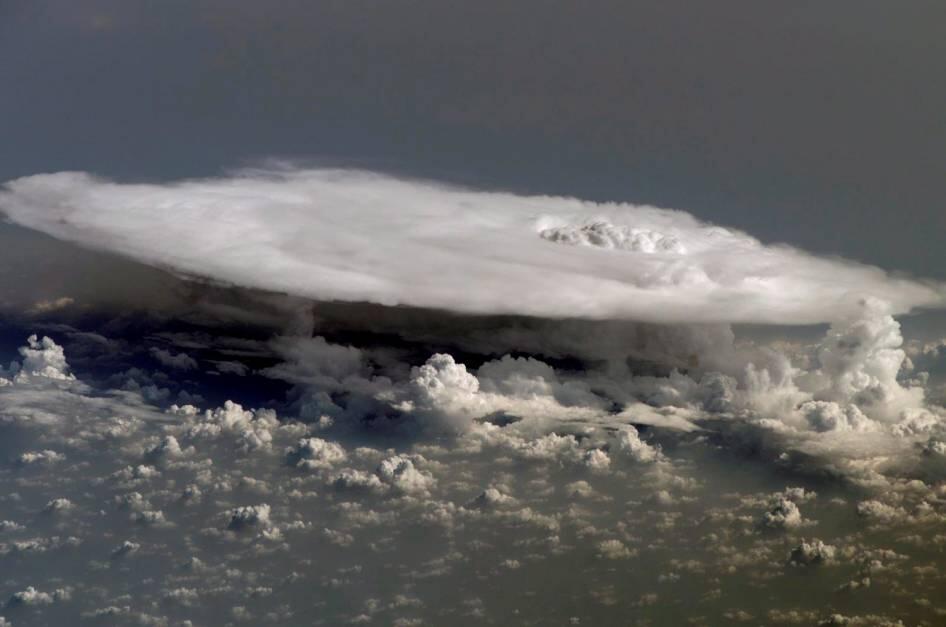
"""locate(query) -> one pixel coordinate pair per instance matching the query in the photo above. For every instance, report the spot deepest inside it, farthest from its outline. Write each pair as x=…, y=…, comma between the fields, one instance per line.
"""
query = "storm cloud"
x=359, y=236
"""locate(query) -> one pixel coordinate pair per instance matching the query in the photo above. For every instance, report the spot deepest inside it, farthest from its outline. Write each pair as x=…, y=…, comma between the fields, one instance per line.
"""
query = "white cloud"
x=630, y=445
x=597, y=461
x=168, y=449
x=248, y=516
x=860, y=359
x=59, y=506
x=383, y=503
x=32, y=596
x=400, y=472
x=782, y=514
x=45, y=457
x=124, y=549
x=357, y=236
x=491, y=498
x=881, y=512
x=42, y=359
x=615, y=550
x=444, y=390
x=814, y=552
x=315, y=453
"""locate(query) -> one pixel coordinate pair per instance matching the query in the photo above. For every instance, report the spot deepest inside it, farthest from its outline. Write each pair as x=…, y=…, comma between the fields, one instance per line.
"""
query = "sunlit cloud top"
x=359, y=236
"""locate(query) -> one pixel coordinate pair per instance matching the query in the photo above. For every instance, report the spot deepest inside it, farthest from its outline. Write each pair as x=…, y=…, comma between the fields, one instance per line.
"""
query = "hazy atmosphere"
x=427, y=313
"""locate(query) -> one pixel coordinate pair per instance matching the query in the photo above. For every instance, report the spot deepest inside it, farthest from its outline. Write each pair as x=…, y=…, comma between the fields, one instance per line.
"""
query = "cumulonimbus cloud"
x=359, y=236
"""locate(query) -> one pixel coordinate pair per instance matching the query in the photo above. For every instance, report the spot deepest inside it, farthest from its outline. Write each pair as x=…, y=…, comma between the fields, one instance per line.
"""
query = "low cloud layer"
x=176, y=513
x=358, y=236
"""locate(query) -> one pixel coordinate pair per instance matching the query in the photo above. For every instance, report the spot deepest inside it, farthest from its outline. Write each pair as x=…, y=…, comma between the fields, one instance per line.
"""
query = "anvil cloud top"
x=359, y=236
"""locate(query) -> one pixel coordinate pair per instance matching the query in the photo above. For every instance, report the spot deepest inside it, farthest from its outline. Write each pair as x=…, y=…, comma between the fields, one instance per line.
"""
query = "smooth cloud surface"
x=357, y=236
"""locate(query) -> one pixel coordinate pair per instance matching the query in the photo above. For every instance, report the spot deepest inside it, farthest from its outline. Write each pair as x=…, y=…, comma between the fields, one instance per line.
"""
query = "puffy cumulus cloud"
x=529, y=378
x=443, y=389
x=830, y=416
x=783, y=514
x=848, y=402
x=357, y=480
x=125, y=549
x=783, y=511
x=358, y=236
x=860, y=359
x=603, y=234
x=814, y=552
x=59, y=505
x=250, y=429
x=615, y=550
x=491, y=498
x=441, y=394
x=630, y=444
x=879, y=511
x=842, y=401
x=845, y=403
x=248, y=517
x=315, y=453
x=40, y=457
x=597, y=461
x=37, y=546
x=400, y=472
x=41, y=359
x=445, y=394
x=32, y=596
x=174, y=517
x=167, y=450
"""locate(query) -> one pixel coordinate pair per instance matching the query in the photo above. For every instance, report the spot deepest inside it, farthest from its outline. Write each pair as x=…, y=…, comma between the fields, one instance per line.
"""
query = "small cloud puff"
x=400, y=472
x=615, y=550
x=32, y=596
x=248, y=517
x=315, y=454
x=783, y=511
x=814, y=552
x=43, y=359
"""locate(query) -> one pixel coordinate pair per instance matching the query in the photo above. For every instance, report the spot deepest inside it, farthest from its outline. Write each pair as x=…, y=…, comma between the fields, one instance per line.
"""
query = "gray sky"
x=816, y=123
